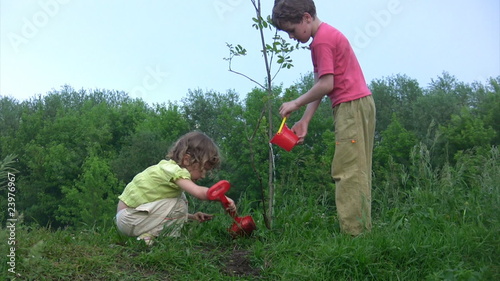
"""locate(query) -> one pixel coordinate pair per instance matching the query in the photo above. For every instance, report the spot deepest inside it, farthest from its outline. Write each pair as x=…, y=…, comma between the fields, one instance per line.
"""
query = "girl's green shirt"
x=155, y=183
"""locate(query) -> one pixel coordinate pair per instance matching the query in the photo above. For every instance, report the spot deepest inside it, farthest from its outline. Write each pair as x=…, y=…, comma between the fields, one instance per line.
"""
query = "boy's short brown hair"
x=291, y=11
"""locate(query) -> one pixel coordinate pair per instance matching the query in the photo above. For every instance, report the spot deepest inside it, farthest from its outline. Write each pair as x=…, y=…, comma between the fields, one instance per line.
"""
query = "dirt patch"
x=238, y=264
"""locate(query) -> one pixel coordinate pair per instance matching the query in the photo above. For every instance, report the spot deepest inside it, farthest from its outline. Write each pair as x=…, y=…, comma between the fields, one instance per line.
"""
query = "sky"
x=160, y=50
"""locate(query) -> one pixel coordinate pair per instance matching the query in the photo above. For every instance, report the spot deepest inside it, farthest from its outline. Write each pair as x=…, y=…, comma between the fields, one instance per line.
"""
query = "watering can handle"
x=281, y=126
x=225, y=204
x=217, y=192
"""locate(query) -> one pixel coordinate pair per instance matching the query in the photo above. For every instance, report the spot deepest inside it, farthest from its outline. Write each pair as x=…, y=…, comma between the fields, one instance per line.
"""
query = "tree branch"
x=247, y=77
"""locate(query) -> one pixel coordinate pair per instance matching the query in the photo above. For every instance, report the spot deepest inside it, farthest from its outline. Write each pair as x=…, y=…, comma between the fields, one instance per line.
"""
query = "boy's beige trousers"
x=352, y=163
x=166, y=215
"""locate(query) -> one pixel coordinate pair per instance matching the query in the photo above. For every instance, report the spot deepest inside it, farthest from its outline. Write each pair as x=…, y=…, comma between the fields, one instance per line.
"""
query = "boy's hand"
x=201, y=217
x=287, y=108
x=300, y=129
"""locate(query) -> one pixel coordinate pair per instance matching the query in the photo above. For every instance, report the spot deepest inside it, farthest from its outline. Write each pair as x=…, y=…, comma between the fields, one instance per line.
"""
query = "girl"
x=154, y=201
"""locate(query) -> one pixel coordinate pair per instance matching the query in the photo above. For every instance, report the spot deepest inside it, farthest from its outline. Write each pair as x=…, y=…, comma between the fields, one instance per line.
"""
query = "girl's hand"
x=231, y=207
x=201, y=217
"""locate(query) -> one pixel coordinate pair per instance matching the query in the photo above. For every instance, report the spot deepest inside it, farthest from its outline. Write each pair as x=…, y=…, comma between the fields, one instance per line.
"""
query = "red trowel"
x=242, y=226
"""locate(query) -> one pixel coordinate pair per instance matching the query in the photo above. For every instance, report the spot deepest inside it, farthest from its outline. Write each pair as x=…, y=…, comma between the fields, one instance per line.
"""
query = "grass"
x=445, y=229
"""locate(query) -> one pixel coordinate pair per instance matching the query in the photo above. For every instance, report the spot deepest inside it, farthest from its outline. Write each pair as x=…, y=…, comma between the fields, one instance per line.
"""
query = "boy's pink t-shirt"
x=332, y=54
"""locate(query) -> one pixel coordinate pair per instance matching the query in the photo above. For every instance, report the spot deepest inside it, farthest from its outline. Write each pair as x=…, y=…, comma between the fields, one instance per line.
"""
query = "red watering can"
x=242, y=226
x=285, y=138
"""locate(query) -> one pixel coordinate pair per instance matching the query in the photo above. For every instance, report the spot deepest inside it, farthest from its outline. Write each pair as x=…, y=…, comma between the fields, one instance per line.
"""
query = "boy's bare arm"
x=310, y=110
x=312, y=106
x=322, y=87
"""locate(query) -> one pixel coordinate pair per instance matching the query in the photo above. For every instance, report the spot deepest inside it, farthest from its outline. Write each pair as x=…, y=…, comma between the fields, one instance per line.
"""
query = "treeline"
x=77, y=149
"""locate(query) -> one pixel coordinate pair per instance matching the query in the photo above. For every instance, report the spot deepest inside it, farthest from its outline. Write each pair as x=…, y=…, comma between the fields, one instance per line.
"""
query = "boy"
x=337, y=74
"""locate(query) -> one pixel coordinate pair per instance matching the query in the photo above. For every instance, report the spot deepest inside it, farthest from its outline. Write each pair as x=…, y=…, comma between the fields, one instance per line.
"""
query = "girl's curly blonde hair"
x=200, y=147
